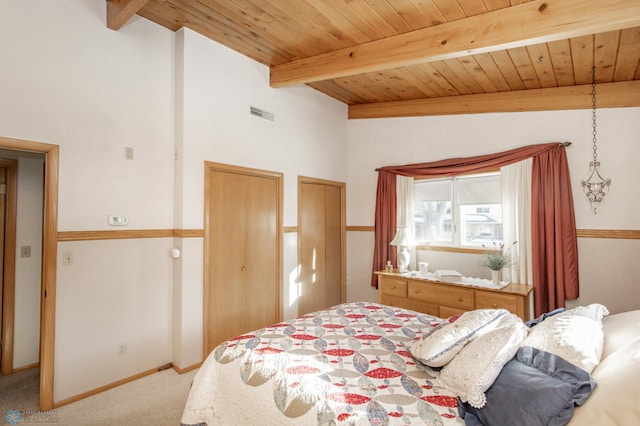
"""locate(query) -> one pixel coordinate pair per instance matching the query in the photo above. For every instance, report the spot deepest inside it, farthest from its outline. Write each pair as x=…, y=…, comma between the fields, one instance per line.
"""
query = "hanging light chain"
x=595, y=186
x=593, y=103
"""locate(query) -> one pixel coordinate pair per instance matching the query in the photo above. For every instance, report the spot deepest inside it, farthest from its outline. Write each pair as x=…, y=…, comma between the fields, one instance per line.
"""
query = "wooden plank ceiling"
x=387, y=58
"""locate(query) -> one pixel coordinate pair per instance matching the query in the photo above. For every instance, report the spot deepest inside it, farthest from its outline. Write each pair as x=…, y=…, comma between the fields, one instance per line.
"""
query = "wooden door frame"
x=343, y=225
x=210, y=167
x=9, y=270
x=49, y=260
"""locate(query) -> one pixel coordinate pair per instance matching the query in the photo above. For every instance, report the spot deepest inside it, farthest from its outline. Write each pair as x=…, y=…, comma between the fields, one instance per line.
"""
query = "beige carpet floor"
x=157, y=399
x=19, y=391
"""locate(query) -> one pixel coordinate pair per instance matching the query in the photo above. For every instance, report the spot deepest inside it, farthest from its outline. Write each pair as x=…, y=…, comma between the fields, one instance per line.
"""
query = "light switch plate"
x=67, y=258
x=25, y=251
x=128, y=153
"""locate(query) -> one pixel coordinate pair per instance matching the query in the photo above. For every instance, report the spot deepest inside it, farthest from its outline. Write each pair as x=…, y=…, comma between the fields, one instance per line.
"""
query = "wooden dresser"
x=445, y=299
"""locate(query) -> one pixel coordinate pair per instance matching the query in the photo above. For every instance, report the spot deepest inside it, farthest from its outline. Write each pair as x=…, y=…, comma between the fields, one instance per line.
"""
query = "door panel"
x=228, y=242
x=312, y=250
x=243, y=249
x=333, y=246
x=261, y=259
x=321, y=244
x=3, y=347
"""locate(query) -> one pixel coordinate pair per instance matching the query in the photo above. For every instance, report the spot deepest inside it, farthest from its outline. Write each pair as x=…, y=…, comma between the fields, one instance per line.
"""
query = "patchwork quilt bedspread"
x=348, y=365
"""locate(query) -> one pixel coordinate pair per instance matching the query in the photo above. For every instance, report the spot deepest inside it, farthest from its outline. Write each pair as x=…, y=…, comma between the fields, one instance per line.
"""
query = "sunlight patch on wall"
x=294, y=289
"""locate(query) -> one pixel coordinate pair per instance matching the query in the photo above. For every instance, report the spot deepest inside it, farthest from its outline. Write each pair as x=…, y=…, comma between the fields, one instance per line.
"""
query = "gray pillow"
x=534, y=388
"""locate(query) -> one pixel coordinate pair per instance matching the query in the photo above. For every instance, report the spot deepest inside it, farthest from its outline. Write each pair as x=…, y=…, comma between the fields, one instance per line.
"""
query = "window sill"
x=451, y=249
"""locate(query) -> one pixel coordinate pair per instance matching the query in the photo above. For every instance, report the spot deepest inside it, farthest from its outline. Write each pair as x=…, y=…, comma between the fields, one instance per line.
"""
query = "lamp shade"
x=403, y=237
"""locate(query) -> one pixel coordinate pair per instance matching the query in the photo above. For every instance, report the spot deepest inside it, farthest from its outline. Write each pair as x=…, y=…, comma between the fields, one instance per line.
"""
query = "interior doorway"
x=49, y=258
x=8, y=214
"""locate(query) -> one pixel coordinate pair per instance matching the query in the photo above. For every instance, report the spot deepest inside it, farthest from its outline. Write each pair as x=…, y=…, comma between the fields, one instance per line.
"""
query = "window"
x=458, y=211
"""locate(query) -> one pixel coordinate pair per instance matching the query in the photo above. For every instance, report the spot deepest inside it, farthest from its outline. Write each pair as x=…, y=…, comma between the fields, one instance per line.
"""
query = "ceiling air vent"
x=261, y=113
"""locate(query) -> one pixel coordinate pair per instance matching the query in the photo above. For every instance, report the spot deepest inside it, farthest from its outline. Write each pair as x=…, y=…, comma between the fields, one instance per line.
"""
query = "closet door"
x=321, y=244
x=311, y=250
x=333, y=245
x=242, y=251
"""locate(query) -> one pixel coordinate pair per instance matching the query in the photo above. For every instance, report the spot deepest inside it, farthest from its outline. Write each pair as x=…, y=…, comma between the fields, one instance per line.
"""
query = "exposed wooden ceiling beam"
x=610, y=95
x=516, y=26
x=120, y=11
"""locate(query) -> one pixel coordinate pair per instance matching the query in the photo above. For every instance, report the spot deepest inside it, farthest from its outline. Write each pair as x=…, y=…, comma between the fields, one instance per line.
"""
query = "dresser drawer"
x=392, y=286
x=442, y=294
x=497, y=301
x=414, y=305
x=446, y=311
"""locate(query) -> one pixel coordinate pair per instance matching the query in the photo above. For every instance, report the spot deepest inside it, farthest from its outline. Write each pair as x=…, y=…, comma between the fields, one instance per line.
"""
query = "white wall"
x=67, y=80
x=117, y=292
x=308, y=135
x=215, y=87
x=608, y=268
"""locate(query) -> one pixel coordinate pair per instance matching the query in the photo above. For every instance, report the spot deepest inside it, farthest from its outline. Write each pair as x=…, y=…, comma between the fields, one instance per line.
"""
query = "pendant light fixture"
x=595, y=186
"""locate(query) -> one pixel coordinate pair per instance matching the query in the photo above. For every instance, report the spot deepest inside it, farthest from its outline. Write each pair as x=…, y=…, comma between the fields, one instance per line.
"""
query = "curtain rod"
x=562, y=144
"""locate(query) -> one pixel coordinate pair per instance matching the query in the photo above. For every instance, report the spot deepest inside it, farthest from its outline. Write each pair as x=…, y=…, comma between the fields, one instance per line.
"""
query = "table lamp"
x=403, y=239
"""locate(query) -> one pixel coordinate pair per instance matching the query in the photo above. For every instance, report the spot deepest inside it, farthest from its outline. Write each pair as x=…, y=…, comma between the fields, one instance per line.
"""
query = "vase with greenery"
x=496, y=258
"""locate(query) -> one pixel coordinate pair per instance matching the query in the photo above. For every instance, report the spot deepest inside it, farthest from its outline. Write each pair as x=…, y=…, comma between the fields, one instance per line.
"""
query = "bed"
x=370, y=364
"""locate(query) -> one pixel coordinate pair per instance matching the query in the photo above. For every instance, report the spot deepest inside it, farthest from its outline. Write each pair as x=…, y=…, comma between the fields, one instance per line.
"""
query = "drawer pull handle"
x=393, y=287
x=460, y=299
x=495, y=305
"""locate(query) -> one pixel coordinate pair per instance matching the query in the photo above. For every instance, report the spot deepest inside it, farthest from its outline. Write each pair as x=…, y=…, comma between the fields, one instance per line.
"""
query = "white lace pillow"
x=575, y=335
x=439, y=347
x=476, y=367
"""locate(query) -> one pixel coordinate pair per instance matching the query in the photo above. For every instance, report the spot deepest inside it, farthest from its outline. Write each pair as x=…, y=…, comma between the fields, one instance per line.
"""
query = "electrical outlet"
x=122, y=349
x=67, y=259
